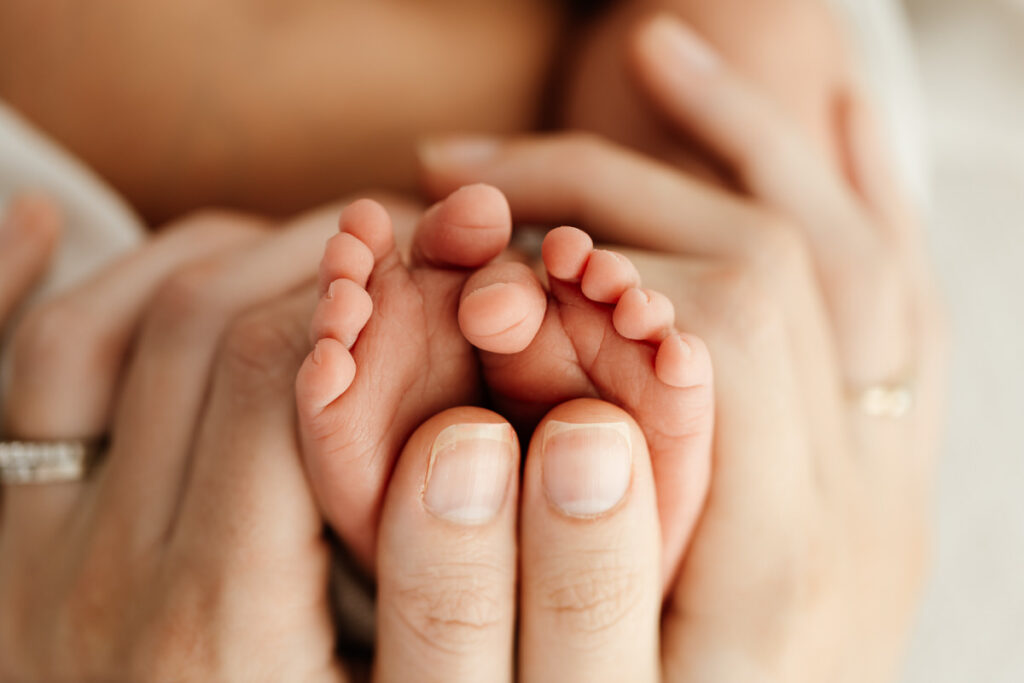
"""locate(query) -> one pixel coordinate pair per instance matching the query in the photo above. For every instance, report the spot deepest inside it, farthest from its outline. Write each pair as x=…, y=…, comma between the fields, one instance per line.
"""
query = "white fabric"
x=98, y=223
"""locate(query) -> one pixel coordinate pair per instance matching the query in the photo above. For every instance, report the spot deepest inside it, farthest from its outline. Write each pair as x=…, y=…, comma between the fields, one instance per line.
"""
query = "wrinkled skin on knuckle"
x=262, y=351
x=454, y=607
x=190, y=302
x=591, y=601
x=740, y=310
x=778, y=251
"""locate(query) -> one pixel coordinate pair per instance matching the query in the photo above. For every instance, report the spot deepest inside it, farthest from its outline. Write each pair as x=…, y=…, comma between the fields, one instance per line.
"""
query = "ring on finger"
x=48, y=462
x=889, y=400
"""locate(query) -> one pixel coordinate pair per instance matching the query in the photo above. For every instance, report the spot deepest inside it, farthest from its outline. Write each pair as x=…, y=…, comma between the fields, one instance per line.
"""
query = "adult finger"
x=696, y=90
x=590, y=569
x=248, y=523
x=870, y=168
x=620, y=196
x=29, y=230
x=861, y=277
x=168, y=379
x=67, y=354
x=446, y=564
x=244, y=444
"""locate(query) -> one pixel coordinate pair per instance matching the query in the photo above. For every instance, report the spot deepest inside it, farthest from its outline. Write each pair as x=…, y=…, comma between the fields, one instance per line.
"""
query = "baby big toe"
x=465, y=230
x=502, y=308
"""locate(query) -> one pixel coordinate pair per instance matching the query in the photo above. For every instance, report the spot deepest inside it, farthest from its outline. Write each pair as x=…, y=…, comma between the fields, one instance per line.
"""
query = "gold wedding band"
x=47, y=462
x=885, y=400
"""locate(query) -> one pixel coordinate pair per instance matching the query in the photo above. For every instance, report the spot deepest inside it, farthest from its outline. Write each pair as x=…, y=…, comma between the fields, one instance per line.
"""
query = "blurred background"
x=970, y=62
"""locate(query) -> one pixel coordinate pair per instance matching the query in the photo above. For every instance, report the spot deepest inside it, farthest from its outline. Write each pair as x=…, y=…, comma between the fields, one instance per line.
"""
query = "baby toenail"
x=586, y=468
x=468, y=473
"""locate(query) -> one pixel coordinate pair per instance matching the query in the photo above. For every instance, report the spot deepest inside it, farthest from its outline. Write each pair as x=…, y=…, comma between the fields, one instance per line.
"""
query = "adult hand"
x=809, y=288
x=194, y=549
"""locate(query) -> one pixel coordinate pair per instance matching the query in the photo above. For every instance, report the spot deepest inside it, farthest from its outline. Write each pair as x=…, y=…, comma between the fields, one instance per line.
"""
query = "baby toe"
x=502, y=308
x=342, y=313
x=345, y=257
x=466, y=230
x=607, y=276
x=644, y=315
x=325, y=375
x=566, y=251
x=683, y=361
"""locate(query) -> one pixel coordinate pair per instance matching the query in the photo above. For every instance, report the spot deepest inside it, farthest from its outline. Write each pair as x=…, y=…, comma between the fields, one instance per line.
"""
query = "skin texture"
x=103, y=579
x=389, y=352
x=816, y=508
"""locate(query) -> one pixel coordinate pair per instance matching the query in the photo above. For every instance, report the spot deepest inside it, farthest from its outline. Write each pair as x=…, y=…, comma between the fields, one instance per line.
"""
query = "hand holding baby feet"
x=599, y=334
x=388, y=352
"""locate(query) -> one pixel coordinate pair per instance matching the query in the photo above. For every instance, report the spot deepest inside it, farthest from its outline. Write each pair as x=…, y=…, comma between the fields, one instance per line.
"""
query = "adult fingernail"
x=13, y=213
x=29, y=217
x=458, y=151
x=675, y=43
x=586, y=468
x=468, y=473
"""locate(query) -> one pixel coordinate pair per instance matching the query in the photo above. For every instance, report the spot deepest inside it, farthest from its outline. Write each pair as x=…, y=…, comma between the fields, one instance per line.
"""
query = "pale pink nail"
x=586, y=468
x=469, y=471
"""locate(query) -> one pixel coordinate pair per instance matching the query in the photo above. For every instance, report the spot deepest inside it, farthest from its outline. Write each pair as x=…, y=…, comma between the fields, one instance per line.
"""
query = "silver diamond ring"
x=46, y=462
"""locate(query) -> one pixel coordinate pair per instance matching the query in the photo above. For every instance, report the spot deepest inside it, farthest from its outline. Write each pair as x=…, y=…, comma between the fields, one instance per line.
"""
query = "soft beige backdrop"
x=971, y=63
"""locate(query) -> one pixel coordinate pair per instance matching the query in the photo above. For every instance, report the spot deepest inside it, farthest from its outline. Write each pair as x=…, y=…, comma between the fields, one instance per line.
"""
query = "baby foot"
x=600, y=335
x=388, y=352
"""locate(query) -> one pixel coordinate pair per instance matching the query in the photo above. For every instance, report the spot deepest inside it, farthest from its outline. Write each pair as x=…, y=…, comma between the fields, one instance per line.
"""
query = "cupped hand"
x=194, y=549
x=811, y=289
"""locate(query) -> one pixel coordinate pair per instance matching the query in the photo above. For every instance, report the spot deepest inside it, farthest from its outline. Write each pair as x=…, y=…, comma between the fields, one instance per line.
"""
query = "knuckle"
x=777, y=249
x=591, y=601
x=455, y=607
x=191, y=294
x=262, y=350
x=883, y=276
x=802, y=578
x=742, y=308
